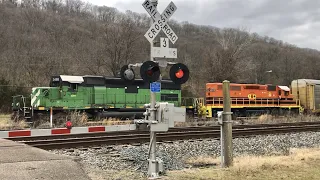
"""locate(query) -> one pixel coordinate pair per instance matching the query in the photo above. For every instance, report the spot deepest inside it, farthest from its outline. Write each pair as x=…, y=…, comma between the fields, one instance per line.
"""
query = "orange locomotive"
x=248, y=99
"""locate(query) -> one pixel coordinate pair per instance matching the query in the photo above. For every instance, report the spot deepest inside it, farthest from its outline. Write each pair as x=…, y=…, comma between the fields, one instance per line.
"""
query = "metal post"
x=152, y=156
x=256, y=76
x=152, y=171
x=51, y=117
x=226, y=128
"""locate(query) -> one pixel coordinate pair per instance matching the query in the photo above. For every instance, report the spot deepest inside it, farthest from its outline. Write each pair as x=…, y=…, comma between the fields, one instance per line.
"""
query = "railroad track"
x=130, y=137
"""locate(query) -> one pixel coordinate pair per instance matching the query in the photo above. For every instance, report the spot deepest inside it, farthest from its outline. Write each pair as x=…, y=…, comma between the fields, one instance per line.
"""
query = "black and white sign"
x=158, y=52
x=160, y=21
x=164, y=42
x=164, y=51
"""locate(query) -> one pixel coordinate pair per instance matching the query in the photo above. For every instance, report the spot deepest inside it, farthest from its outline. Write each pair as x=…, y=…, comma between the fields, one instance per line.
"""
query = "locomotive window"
x=73, y=87
x=252, y=87
x=271, y=88
x=169, y=97
x=235, y=88
x=286, y=93
x=279, y=92
x=131, y=89
x=45, y=92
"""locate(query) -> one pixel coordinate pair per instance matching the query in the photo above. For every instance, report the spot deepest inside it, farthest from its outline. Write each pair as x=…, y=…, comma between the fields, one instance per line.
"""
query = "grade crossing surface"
x=130, y=137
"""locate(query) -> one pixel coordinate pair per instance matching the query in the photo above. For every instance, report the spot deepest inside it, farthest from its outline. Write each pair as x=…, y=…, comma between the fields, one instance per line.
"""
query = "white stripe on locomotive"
x=35, y=100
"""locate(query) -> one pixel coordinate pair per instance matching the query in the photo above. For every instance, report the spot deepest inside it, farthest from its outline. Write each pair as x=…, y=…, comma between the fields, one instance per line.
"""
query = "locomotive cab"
x=71, y=82
x=284, y=93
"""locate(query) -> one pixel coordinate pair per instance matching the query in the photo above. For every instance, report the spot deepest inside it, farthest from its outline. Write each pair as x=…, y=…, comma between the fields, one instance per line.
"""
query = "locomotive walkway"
x=22, y=162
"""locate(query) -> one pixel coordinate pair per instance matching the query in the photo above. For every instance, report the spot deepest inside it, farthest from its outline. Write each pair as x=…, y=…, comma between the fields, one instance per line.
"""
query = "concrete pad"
x=27, y=153
x=20, y=161
x=18, y=152
x=8, y=143
x=44, y=170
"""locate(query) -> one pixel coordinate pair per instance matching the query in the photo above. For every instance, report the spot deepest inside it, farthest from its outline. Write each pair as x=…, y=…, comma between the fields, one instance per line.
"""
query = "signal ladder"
x=27, y=114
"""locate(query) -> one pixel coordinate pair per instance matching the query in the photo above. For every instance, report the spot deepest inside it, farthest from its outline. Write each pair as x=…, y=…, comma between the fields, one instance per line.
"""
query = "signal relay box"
x=166, y=115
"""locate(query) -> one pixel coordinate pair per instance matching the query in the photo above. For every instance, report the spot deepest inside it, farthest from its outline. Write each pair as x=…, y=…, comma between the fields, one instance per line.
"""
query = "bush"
x=6, y=93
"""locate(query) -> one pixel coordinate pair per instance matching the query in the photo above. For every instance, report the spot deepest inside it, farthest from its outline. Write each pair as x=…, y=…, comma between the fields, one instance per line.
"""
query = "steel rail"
x=176, y=129
x=168, y=136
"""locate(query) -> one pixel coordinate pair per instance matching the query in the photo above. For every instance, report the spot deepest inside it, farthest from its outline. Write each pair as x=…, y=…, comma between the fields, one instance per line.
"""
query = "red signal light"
x=179, y=73
x=149, y=72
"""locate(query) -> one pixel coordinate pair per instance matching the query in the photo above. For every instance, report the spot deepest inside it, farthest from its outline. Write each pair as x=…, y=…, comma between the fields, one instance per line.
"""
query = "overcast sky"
x=293, y=21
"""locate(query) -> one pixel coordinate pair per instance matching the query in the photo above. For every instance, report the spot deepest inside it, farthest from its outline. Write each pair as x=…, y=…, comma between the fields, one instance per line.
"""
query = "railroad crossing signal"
x=160, y=21
x=159, y=116
x=179, y=73
x=150, y=71
x=127, y=73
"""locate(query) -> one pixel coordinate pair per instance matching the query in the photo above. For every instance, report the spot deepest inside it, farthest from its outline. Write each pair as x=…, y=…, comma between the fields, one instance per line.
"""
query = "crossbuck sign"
x=160, y=21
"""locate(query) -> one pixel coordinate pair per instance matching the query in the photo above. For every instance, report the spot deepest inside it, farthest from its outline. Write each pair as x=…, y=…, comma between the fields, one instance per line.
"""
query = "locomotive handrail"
x=253, y=102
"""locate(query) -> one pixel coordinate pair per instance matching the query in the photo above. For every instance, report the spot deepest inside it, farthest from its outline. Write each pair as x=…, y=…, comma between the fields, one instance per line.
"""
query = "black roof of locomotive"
x=116, y=82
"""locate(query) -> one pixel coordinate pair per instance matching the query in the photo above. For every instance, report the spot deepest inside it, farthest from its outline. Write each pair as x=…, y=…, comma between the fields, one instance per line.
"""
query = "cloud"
x=294, y=21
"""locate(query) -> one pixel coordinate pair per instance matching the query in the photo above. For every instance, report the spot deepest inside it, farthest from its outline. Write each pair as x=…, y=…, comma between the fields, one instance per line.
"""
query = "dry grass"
x=265, y=119
x=78, y=118
x=114, y=121
x=81, y=119
x=200, y=122
x=7, y=124
x=109, y=122
x=262, y=119
x=96, y=174
x=300, y=164
x=202, y=161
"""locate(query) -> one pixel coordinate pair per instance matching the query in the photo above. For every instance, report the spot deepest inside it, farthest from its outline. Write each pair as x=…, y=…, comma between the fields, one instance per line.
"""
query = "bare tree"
x=120, y=44
x=230, y=49
x=49, y=37
x=53, y=5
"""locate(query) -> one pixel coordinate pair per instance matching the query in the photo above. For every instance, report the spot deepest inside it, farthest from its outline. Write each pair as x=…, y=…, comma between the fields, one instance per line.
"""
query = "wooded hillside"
x=40, y=38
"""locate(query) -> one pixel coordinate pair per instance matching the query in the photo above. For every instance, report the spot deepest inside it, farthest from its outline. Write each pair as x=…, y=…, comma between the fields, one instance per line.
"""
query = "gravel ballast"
x=174, y=154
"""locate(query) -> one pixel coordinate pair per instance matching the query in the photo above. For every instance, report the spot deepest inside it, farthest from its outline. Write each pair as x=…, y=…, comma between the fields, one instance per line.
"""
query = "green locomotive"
x=97, y=96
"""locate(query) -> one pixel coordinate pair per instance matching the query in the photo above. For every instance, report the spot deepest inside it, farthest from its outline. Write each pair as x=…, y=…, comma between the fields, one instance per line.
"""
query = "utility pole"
x=226, y=128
